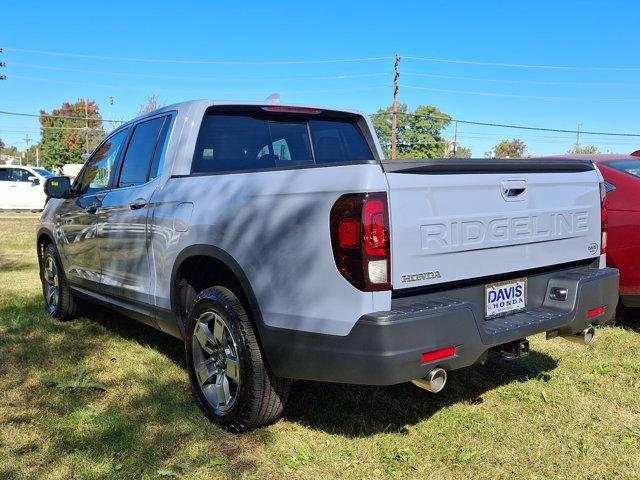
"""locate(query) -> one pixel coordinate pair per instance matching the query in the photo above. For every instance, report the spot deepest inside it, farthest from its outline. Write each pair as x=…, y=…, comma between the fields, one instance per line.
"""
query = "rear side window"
x=632, y=167
x=231, y=142
x=140, y=152
x=5, y=174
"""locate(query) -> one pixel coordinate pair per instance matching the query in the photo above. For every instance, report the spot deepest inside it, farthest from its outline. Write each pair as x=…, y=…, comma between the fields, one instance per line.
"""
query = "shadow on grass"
x=144, y=423
x=15, y=264
x=355, y=411
x=349, y=410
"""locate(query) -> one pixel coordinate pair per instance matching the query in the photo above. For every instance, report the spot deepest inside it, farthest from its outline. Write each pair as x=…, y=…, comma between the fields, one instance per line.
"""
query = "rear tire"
x=58, y=299
x=230, y=381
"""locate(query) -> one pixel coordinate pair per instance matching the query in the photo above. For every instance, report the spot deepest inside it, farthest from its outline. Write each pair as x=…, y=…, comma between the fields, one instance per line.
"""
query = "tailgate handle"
x=514, y=192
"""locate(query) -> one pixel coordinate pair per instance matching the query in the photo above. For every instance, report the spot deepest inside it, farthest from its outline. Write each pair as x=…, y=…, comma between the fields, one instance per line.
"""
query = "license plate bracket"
x=505, y=298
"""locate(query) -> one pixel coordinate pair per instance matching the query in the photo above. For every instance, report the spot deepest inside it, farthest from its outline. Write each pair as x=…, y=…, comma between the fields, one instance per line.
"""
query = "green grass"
x=106, y=397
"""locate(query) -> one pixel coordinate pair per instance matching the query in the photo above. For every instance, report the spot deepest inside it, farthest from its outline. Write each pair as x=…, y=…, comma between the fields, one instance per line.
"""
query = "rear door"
x=124, y=235
x=78, y=217
x=463, y=220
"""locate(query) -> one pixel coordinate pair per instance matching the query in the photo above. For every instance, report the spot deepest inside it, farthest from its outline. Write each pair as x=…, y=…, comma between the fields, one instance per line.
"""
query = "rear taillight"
x=604, y=218
x=359, y=224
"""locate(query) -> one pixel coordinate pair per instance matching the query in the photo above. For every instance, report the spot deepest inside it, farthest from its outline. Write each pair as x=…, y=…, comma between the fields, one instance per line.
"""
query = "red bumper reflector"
x=438, y=354
x=595, y=312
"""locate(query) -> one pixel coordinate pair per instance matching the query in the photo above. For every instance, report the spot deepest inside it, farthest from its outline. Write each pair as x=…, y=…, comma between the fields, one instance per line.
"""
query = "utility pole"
x=2, y=65
x=578, y=137
x=394, y=113
x=86, y=127
x=27, y=141
x=455, y=139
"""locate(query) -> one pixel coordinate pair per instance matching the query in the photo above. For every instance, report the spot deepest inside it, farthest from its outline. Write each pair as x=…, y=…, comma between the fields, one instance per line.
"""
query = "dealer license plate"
x=504, y=298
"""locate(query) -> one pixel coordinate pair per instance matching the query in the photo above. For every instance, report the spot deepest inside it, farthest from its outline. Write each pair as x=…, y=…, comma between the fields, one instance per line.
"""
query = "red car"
x=622, y=177
x=622, y=174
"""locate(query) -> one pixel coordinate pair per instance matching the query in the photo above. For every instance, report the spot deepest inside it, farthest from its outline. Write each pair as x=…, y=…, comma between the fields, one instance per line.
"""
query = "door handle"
x=138, y=203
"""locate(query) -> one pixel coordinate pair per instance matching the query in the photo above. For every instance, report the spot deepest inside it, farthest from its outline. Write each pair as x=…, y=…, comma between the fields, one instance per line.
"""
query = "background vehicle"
x=622, y=174
x=276, y=242
x=21, y=188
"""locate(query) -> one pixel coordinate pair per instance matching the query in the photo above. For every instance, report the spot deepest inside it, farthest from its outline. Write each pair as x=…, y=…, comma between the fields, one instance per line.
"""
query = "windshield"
x=43, y=172
x=632, y=167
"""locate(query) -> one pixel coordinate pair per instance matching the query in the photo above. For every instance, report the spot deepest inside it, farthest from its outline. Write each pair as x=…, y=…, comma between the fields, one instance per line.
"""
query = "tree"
x=153, y=103
x=1, y=145
x=577, y=150
x=65, y=139
x=418, y=133
x=515, y=148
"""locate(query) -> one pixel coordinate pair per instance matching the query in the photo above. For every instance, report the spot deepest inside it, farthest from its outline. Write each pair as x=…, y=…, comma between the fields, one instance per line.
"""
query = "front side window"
x=632, y=167
x=234, y=142
x=97, y=172
x=140, y=153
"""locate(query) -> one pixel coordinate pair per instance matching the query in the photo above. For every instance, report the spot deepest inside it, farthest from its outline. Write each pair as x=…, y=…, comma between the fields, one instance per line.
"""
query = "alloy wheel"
x=216, y=361
x=51, y=284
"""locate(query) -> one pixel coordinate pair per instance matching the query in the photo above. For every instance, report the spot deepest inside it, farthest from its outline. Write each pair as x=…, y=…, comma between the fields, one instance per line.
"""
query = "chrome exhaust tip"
x=434, y=382
x=585, y=337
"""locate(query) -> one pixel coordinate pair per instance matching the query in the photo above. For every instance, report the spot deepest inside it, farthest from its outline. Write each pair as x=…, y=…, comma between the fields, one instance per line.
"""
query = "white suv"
x=21, y=188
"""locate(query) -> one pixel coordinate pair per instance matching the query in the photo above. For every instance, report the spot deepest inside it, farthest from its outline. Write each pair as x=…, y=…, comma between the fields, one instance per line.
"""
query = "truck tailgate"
x=456, y=220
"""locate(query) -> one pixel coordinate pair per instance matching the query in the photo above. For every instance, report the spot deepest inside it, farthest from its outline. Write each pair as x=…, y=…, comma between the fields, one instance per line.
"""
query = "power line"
x=504, y=125
x=510, y=95
x=526, y=82
x=196, y=62
x=522, y=65
x=255, y=92
x=67, y=117
x=213, y=77
x=322, y=61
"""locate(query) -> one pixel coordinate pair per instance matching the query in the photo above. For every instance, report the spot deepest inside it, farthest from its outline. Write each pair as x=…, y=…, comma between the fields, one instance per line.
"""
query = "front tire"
x=230, y=381
x=58, y=299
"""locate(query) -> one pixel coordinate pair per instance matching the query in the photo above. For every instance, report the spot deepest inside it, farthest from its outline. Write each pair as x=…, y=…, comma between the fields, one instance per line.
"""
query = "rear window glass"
x=243, y=142
x=631, y=167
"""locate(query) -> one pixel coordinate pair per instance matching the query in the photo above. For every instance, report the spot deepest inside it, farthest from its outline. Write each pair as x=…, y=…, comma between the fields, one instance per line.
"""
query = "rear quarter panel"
x=276, y=226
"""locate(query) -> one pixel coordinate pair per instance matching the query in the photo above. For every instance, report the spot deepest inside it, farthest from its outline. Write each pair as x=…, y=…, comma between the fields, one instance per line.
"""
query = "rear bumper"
x=386, y=348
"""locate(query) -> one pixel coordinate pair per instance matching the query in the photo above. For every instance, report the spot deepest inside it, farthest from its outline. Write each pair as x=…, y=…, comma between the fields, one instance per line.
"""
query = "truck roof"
x=204, y=103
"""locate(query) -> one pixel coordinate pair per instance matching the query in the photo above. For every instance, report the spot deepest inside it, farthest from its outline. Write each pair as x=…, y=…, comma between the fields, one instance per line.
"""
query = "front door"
x=78, y=218
x=21, y=190
x=124, y=232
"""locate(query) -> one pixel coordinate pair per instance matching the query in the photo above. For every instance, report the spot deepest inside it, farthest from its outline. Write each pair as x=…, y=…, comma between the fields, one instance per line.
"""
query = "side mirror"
x=58, y=187
x=34, y=180
x=85, y=156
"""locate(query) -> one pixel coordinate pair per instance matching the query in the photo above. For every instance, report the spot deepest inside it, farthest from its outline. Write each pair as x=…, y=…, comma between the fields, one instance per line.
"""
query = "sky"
x=489, y=61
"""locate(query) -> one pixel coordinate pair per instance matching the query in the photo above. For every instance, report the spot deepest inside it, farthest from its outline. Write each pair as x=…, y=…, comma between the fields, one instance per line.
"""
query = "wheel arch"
x=44, y=238
x=231, y=271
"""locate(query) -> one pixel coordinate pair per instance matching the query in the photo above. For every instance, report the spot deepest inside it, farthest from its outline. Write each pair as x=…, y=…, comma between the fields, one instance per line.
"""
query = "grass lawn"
x=106, y=397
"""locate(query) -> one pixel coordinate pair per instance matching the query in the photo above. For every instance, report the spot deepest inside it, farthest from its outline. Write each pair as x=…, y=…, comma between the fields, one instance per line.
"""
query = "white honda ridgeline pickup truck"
x=278, y=244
